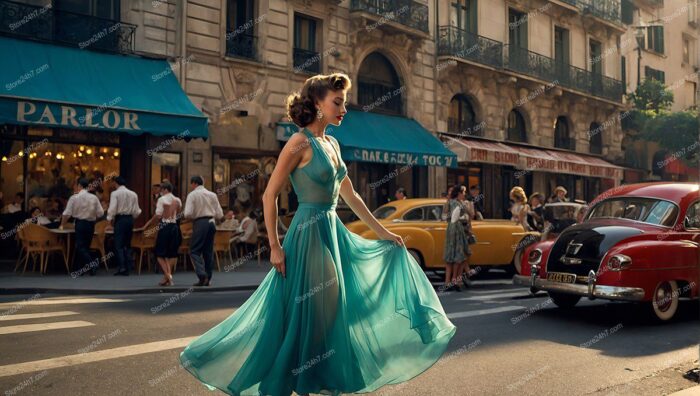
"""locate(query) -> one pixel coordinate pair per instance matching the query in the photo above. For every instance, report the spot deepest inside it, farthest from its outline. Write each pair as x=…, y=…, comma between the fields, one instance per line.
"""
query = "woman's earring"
x=319, y=114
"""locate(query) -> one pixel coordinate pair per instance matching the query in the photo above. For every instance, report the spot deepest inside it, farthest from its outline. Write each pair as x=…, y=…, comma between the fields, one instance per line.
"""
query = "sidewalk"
x=694, y=391
x=247, y=276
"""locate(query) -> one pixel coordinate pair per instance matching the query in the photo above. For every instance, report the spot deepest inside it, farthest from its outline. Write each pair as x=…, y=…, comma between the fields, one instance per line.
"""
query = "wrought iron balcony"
x=609, y=10
x=68, y=28
x=557, y=73
x=241, y=45
x=405, y=12
x=307, y=61
x=453, y=41
x=531, y=63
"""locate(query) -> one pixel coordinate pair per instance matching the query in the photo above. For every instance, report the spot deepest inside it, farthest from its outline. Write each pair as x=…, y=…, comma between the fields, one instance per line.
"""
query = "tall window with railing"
x=595, y=132
x=306, y=57
x=241, y=41
x=379, y=87
x=562, y=135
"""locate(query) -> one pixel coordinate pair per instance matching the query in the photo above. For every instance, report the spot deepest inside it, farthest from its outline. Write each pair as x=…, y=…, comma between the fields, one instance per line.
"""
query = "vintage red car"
x=637, y=242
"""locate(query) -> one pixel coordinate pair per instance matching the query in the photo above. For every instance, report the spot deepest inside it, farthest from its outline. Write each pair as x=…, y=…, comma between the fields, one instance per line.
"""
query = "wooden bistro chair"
x=144, y=242
x=98, y=241
x=222, y=246
x=38, y=240
x=184, y=249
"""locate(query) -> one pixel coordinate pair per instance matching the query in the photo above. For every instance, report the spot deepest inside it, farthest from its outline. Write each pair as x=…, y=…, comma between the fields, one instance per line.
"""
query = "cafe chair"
x=143, y=242
x=184, y=250
x=98, y=241
x=222, y=246
x=38, y=240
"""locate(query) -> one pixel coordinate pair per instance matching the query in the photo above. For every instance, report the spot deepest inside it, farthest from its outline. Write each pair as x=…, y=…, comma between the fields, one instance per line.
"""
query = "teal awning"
x=372, y=137
x=55, y=86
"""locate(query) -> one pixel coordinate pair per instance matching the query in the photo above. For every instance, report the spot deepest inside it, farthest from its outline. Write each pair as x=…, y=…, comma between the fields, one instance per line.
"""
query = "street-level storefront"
x=385, y=152
x=505, y=165
x=67, y=113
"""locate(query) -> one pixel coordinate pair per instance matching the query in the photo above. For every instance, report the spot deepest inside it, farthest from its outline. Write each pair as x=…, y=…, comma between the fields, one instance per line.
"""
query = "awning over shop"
x=55, y=86
x=372, y=137
x=533, y=158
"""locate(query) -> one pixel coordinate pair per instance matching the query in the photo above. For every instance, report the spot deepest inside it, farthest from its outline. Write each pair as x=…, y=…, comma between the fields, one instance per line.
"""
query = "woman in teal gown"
x=338, y=313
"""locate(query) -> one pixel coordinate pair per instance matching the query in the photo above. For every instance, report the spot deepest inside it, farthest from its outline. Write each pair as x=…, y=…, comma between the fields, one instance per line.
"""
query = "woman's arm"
x=355, y=202
x=289, y=158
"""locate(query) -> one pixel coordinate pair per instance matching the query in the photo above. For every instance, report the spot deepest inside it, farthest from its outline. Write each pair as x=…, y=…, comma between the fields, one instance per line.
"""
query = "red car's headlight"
x=619, y=262
x=535, y=256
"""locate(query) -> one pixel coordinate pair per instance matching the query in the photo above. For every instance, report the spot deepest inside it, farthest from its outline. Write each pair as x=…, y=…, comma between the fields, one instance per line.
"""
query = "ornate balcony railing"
x=307, y=61
x=453, y=41
x=610, y=10
x=241, y=45
x=557, y=73
x=406, y=12
x=68, y=28
x=527, y=62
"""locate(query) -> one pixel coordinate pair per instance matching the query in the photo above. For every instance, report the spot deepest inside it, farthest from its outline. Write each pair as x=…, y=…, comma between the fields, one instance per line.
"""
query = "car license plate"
x=561, y=277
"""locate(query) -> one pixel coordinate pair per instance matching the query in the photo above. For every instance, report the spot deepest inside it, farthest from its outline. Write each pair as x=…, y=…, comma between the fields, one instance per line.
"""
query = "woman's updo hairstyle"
x=301, y=106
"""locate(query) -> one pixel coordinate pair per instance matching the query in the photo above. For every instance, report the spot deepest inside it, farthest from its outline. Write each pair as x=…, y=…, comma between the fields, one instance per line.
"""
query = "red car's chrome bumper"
x=591, y=290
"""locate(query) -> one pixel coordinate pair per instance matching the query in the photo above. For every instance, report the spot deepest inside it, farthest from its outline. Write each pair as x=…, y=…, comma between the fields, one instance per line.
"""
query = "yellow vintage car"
x=418, y=221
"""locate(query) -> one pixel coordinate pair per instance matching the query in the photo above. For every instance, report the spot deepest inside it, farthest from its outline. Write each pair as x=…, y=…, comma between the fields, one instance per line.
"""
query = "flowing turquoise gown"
x=352, y=314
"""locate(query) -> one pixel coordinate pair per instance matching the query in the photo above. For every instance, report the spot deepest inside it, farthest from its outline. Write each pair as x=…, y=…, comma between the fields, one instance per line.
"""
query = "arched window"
x=658, y=164
x=596, y=142
x=462, y=118
x=379, y=87
x=562, y=135
x=516, y=127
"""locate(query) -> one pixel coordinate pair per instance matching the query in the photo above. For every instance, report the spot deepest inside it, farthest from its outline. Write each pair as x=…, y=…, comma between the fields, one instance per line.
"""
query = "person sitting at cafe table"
x=39, y=218
x=85, y=208
x=231, y=220
x=123, y=209
x=17, y=205
x=249, y=226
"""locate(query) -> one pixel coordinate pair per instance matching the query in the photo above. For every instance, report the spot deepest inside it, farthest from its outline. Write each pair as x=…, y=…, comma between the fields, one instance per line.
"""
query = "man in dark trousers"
x=85, y=208
x=123, y=209
x=202, y=206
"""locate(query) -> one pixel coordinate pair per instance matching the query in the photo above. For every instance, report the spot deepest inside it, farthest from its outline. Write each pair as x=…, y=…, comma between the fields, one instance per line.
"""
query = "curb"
x=148, y=290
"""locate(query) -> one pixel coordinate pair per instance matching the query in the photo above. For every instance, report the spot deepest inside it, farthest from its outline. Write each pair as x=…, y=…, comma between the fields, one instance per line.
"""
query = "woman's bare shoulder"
x=297, y=142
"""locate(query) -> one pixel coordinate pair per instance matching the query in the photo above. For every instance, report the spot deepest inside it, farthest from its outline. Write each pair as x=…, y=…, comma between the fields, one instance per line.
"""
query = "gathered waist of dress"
x=318, y=205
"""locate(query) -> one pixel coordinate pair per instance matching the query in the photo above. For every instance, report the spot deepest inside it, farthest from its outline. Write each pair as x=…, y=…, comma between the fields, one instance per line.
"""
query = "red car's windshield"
x=648, y=210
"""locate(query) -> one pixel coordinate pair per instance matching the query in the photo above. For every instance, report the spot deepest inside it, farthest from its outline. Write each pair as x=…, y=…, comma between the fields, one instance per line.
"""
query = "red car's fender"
x=654, y=261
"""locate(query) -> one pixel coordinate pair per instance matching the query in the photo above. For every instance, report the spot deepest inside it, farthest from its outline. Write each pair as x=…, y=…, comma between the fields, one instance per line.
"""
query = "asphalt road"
x=507, y=342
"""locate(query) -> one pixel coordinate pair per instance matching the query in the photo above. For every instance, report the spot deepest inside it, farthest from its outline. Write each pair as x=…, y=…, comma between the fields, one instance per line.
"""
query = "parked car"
x=419, y=222
x=637, y=242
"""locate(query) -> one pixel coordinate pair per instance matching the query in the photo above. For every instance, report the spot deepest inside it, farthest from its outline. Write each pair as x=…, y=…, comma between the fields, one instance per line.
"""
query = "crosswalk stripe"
x=43, y=326
x=39, y=301
x=520, y=293
x=467, y=314
x=90, y=357
x=36, y=315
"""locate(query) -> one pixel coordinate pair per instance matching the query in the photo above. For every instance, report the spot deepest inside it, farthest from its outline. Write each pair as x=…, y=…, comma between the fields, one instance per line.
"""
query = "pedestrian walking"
x=169, y=236
x=400, y=193
x=123, y=209
x=85, y=208
x=520, y=208
x=535, y=216
x=559, y=195
x=477, y=199
x=456, y=250
x=202, y=206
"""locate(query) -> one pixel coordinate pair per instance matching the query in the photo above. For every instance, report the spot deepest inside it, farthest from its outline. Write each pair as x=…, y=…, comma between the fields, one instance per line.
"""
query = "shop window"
x=516, y=127
x=167, y=166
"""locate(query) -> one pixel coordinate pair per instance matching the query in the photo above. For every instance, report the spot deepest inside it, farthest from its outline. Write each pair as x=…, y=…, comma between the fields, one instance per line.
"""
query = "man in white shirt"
x=16, y=205
x=123, y=209
x=85, y=208
x=203, y=207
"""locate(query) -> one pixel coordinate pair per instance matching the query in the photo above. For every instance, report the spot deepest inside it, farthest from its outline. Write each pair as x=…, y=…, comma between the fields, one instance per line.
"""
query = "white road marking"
x=467, y=314
x=43, y=326
x=90, y=357
x=36, y=315
x=39, y=301
x=493, y=291
x=522, y=293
